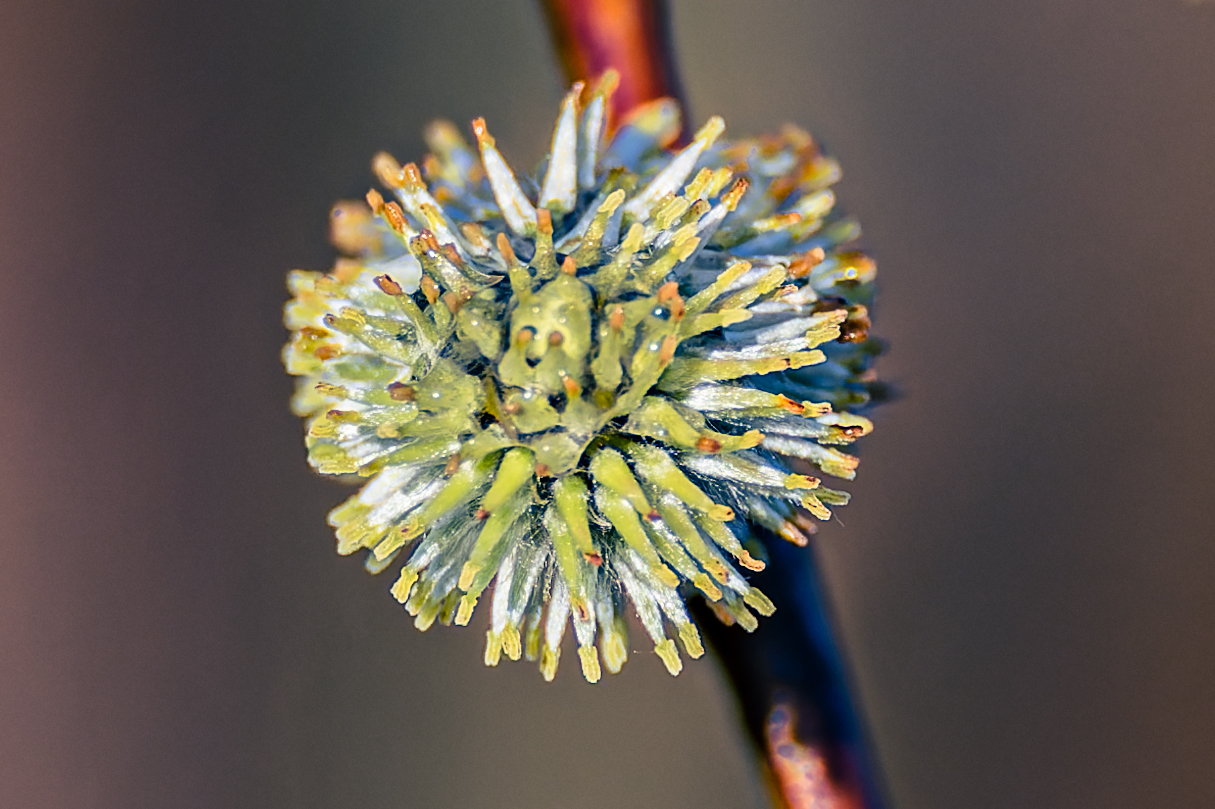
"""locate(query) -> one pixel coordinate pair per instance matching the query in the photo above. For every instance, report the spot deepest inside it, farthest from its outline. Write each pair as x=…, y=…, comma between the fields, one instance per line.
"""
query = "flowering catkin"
x=590, y=391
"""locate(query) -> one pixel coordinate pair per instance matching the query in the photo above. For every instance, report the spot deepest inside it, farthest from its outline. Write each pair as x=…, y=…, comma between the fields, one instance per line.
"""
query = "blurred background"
x=1023, y=581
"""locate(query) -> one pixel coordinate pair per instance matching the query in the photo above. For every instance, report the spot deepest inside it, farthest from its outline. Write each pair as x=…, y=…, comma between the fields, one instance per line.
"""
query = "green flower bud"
x=586, y=396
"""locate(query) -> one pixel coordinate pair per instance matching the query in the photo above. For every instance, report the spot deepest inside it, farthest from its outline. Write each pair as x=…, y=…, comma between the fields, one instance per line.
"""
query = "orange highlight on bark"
x=631, y=36
x=800, y=769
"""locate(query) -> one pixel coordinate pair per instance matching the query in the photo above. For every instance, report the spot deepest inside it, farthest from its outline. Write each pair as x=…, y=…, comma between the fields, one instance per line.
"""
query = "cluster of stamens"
x=597, y=391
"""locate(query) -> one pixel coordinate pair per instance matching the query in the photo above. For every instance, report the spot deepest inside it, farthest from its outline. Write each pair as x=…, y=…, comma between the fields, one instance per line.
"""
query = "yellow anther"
x=589, y=657
x=670, y=656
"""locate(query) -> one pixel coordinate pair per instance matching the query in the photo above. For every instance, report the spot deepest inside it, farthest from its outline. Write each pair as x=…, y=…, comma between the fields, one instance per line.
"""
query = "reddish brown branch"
x=788, y=677
x=631, y=36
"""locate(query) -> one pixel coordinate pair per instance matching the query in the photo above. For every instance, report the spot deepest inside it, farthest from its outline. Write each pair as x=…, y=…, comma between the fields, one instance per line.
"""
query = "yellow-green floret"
x=591, y=390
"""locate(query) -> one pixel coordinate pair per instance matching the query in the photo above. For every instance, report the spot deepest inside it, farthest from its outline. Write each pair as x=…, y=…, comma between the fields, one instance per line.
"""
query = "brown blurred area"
x=1024, y=579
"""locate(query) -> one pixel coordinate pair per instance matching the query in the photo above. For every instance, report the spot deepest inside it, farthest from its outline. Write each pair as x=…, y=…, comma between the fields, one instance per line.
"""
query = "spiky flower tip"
x=587, y=390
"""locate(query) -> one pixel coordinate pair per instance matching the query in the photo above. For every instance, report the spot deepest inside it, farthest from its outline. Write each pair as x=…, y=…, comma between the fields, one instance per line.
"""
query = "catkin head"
x=587, y=389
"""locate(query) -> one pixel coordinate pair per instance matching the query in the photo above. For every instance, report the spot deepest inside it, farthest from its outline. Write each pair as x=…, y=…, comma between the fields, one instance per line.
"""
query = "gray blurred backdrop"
x=1024, y=579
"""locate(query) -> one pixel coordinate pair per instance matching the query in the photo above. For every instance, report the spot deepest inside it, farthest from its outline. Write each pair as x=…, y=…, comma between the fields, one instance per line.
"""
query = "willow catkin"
x=585, y=390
